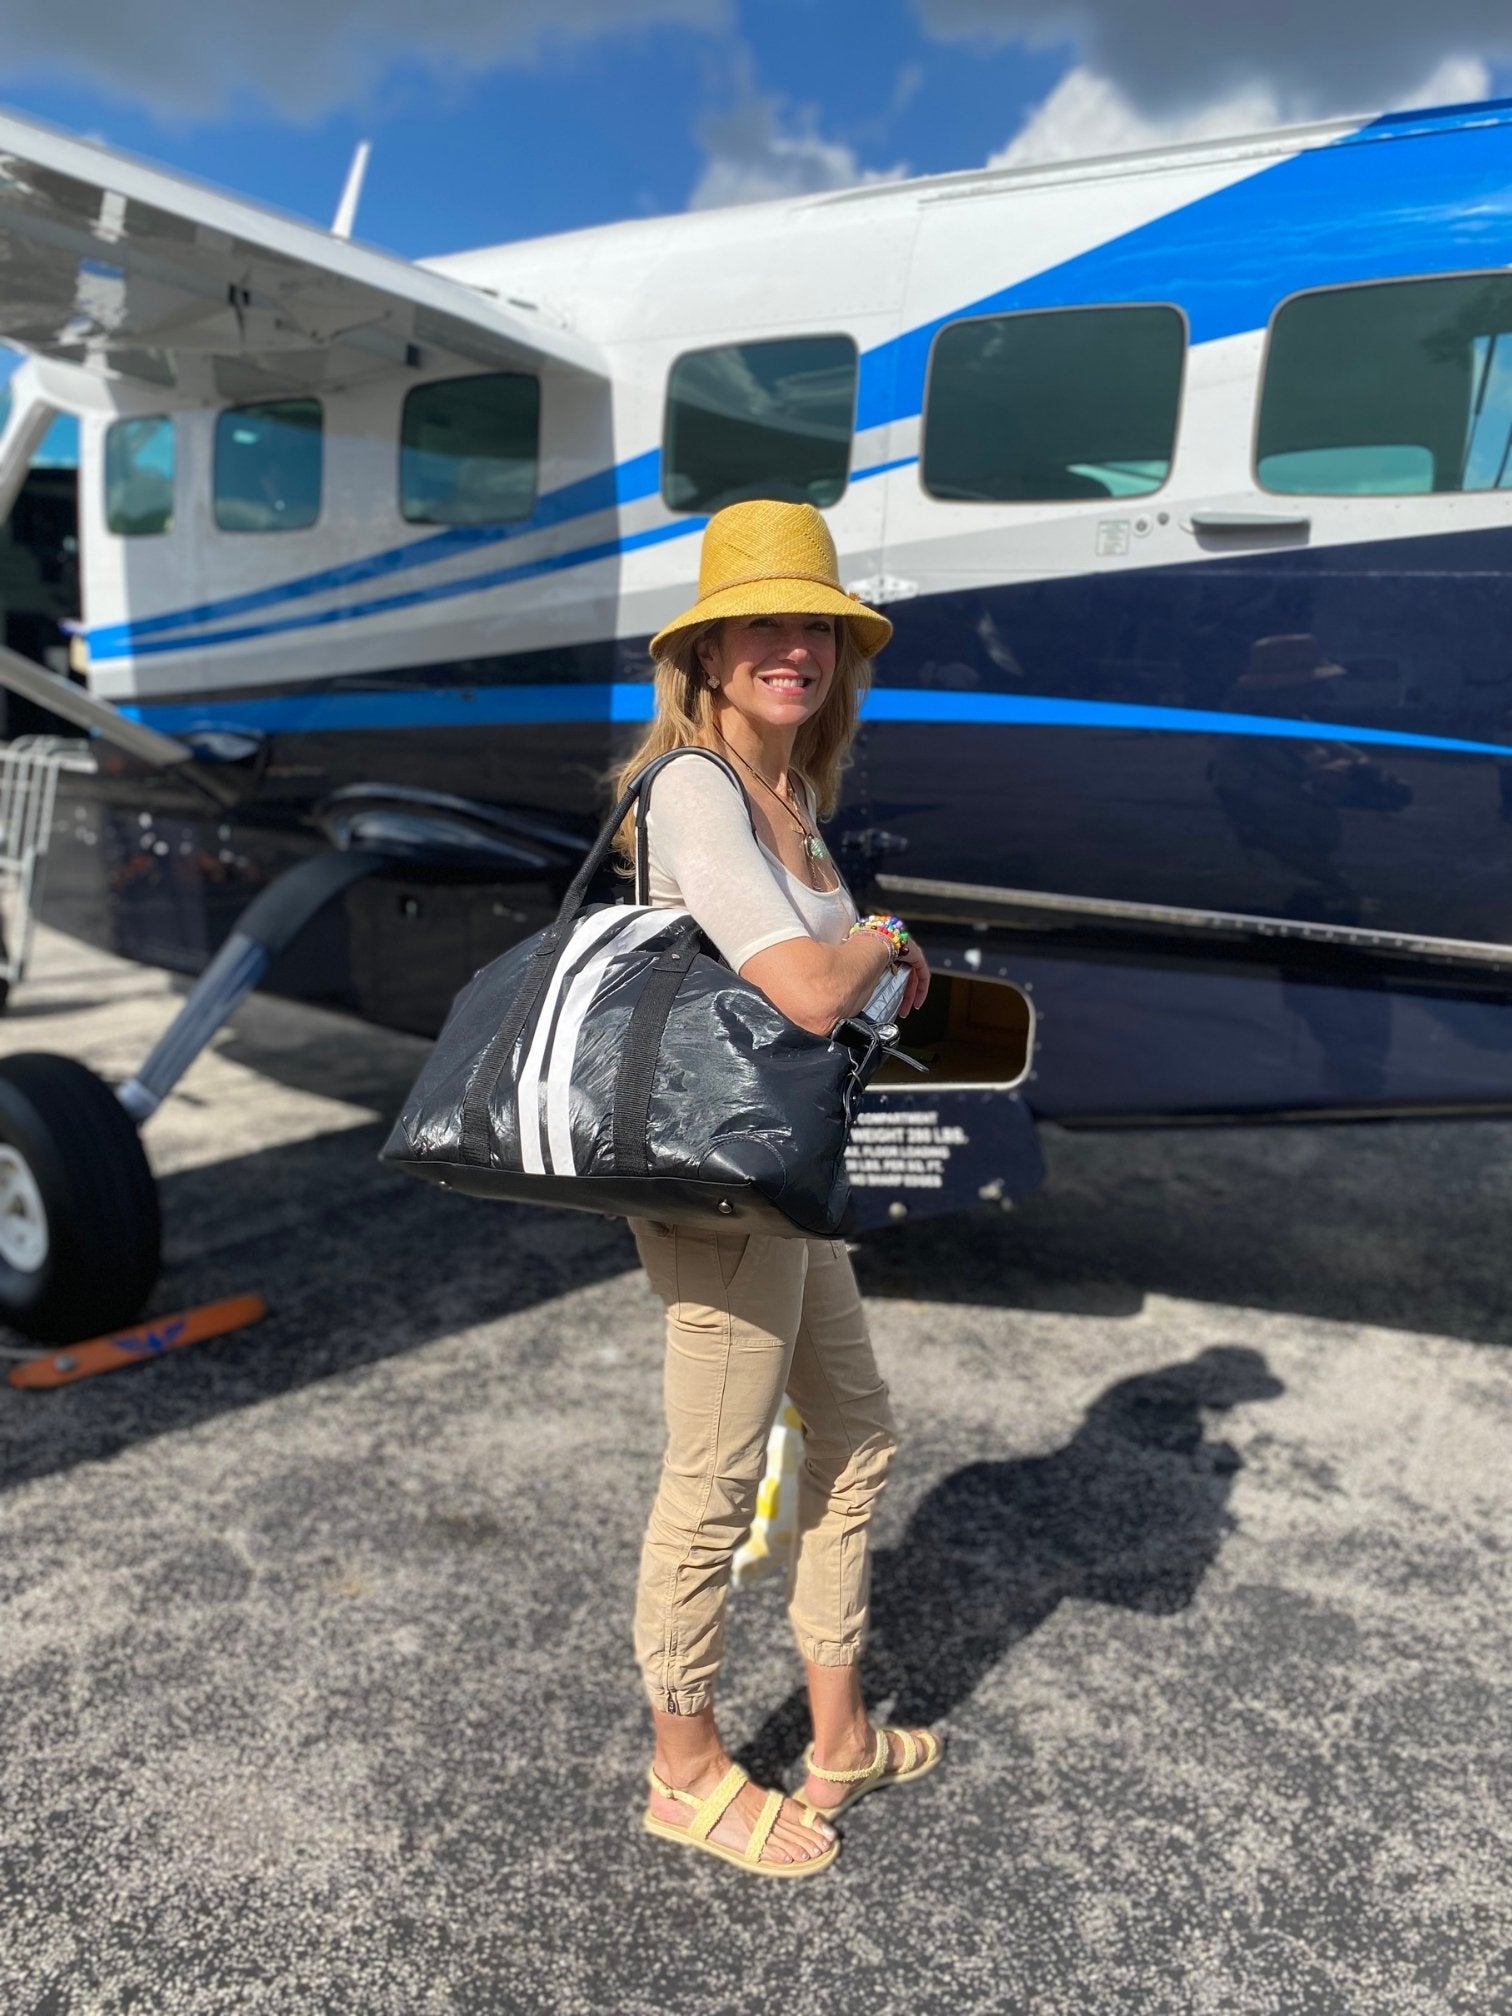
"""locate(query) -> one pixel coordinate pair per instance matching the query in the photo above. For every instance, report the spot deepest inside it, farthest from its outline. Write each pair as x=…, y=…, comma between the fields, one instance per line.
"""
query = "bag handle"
x=641, y=1049
x=637, y=794
x=480, y=1089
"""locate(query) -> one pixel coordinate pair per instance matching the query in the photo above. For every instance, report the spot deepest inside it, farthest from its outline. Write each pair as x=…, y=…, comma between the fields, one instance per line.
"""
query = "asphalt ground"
x=317, y=1688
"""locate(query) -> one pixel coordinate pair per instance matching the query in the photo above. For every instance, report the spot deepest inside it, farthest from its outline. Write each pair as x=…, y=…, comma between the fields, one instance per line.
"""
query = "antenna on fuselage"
x=346, y=209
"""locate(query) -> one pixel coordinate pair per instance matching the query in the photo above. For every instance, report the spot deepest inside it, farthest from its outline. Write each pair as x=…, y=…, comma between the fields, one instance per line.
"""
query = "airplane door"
x=764, y=385
x=1032, y=485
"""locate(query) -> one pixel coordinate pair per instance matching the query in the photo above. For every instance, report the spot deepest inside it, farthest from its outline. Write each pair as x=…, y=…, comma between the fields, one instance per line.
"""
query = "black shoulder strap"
x=477, y=1102
x=643, y=1036
x=642, y=1046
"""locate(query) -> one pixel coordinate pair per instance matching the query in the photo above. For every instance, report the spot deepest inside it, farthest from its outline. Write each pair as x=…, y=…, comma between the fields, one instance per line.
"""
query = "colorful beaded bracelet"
x=893, y=929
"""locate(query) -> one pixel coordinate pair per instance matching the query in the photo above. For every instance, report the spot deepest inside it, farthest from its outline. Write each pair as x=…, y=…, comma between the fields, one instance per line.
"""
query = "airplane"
x=1185, y=476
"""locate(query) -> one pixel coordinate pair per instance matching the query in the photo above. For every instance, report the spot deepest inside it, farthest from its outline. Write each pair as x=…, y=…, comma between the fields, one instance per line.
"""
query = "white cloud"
x=189, y=59
x=1328, y=56
x=1090, y=114
x=757, y=151
x=907, y=85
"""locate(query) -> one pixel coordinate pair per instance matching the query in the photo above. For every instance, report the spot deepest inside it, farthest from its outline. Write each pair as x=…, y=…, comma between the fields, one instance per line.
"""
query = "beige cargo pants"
x=749, y=1318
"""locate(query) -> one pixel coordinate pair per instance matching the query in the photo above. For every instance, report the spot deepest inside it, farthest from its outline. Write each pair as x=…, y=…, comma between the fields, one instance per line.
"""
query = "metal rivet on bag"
x=726, y=1208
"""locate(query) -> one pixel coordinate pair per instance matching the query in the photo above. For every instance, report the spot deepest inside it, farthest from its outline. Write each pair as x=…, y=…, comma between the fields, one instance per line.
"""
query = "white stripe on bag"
x=570, y=1027
x=585, y=935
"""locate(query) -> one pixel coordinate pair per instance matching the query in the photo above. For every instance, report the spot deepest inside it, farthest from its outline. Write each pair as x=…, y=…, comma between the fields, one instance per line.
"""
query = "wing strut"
x=26, y=677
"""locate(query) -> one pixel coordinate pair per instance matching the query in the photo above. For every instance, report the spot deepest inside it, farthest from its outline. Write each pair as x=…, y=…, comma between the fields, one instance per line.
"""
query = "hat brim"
x=779, y=596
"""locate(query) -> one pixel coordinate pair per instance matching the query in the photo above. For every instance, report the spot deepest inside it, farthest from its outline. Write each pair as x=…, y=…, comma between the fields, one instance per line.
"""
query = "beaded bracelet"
x=893, y=929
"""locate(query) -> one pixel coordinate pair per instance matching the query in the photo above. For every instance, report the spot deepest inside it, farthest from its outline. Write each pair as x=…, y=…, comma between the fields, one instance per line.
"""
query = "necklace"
x=813, y=846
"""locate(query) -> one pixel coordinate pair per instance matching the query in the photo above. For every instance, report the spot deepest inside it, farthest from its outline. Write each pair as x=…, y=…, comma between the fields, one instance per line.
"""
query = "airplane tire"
x=80, y=1233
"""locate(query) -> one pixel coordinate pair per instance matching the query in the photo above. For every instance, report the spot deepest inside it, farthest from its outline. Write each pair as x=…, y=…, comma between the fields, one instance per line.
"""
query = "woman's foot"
x=791, y=1840
x=855, y=1753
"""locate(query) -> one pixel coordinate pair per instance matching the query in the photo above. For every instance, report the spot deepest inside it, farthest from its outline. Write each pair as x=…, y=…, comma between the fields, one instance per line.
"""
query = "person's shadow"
x=1132, y=1511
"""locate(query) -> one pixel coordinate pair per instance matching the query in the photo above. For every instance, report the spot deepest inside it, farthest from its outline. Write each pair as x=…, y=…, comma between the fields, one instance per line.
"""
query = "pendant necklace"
x=813, y=846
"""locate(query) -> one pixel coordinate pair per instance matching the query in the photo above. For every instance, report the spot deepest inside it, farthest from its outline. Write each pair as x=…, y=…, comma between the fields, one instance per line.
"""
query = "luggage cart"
x=29, y=770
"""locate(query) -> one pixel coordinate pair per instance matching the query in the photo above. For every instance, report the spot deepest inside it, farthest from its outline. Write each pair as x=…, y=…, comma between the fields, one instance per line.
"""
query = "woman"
x=768, y=668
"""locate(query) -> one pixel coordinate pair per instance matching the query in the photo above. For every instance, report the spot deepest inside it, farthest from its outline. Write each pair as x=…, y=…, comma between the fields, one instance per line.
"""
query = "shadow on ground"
x=356, y=1264
x=1131, y=1512
x=66, y=1004
x=1398, y=1224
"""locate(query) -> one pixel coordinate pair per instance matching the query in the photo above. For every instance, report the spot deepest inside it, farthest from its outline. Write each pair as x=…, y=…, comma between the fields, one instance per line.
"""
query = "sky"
x=499, y=119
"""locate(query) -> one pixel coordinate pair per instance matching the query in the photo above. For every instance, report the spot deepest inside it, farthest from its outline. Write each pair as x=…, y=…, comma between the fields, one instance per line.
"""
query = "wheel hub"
x=23, y=1216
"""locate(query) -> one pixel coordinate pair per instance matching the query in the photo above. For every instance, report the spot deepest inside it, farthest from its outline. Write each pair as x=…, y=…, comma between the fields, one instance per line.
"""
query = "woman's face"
x=775, y=670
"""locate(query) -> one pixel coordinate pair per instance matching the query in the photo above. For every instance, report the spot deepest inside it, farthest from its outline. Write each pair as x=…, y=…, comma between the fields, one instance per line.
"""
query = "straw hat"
x=763, y=558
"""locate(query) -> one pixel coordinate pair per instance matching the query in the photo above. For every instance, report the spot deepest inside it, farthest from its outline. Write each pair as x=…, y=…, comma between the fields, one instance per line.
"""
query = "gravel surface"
x=315, y=1658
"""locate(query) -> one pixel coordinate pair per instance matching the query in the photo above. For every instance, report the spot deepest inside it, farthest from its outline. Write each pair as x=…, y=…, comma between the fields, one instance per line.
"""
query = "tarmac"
x=315, y=1662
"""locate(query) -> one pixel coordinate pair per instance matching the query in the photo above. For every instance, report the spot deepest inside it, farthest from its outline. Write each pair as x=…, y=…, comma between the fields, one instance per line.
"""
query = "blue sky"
x=586, y=131
x=508, y=120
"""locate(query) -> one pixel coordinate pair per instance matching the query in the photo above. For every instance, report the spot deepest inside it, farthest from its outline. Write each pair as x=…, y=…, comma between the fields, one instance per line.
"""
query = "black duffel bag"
x=612, y=1063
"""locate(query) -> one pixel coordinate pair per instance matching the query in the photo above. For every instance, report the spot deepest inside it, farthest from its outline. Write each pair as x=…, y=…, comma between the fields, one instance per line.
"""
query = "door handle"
x=1250, y=521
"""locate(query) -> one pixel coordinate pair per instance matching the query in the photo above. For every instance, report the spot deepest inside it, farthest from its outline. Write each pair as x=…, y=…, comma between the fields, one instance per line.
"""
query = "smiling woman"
x=768, y=668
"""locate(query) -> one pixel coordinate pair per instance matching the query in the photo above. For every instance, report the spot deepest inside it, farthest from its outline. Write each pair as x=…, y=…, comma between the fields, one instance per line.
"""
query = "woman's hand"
x=917, y=968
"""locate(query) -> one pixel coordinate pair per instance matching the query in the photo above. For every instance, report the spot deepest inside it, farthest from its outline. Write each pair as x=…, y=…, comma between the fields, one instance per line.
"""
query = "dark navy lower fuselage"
x=1311, y=736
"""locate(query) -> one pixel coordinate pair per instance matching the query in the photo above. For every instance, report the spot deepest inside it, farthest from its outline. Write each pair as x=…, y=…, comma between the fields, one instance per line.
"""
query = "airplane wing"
x=139, y=274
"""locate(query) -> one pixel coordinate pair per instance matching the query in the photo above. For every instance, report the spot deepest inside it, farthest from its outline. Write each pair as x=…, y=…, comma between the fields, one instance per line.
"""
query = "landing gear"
x=79, y=1231
x=80, y=1241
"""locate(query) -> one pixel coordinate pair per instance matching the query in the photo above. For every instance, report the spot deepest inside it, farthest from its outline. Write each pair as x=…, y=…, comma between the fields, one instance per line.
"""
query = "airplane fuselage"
x=1196, y=729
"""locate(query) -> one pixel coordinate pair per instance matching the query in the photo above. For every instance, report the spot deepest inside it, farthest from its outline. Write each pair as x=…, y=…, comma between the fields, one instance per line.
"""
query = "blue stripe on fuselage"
x=1365, y=207
x=1362, y=207
x=627, y=483
x=136, y=643
x=338, y=712
x=383, y=605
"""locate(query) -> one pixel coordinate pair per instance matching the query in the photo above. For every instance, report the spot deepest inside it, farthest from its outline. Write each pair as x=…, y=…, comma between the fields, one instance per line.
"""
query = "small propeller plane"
x=1186, y=478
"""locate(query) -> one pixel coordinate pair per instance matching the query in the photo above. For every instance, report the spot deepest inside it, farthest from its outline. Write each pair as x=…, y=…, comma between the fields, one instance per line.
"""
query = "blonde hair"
x=684, y=719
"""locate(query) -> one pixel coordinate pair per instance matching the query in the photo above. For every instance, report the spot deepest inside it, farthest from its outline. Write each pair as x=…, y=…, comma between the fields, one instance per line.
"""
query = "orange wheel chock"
x=146, y=1340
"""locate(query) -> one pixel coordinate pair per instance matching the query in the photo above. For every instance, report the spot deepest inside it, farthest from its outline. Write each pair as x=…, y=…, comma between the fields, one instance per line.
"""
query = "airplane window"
x=1396, y=388
x=470, y=450
x=1044, y=407
x=770, y=419
x=267, y=466
x=139, y=476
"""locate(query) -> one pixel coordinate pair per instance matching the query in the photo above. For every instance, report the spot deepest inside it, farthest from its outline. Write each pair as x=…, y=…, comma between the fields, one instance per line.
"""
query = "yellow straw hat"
x=763, y=558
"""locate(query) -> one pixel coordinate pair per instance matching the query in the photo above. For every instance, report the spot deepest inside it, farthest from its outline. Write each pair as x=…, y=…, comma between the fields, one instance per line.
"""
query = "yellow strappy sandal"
x=708, y=1812
x=920, y=1755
